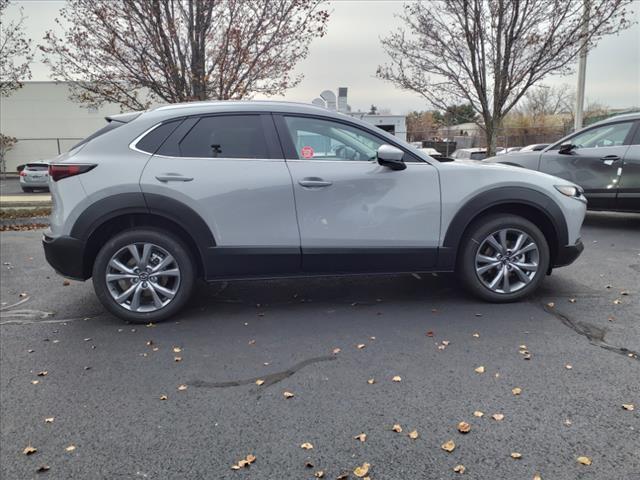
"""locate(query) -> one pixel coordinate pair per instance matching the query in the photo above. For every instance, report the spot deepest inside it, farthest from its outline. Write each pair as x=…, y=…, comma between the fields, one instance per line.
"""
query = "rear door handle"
x=173, y=177
x=609, y=159
x=314, y=182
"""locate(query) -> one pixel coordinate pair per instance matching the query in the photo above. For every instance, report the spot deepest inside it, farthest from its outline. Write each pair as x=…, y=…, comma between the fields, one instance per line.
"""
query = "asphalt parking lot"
x=10, y=185
x=99, y=410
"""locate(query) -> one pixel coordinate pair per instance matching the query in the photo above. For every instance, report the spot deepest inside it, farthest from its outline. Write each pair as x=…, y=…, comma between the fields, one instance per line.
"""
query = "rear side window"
x=226, y=136
x=151, y=142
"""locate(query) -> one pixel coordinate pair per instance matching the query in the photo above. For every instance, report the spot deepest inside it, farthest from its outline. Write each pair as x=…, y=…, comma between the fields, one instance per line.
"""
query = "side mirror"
x=391, y=157
x=566, y=148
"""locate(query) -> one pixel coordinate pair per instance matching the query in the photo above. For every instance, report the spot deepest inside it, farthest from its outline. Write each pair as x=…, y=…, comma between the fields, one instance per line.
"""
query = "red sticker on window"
x=307, y=152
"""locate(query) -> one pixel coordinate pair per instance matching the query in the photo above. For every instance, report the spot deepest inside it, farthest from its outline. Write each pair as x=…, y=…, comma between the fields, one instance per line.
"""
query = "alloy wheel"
x=143, y=277
x=507, y=260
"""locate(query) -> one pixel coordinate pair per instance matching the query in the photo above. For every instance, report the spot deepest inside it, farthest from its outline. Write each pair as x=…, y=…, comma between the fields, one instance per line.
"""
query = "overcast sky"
x=350, y=52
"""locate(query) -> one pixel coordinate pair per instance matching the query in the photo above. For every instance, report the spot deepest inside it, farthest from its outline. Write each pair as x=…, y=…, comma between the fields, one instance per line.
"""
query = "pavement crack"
x=593, y=333
x=268, y=379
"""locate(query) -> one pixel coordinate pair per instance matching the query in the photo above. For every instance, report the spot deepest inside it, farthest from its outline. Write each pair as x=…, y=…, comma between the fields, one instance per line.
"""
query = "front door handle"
x=314, y=182
x=609, y=159
x=173, y=177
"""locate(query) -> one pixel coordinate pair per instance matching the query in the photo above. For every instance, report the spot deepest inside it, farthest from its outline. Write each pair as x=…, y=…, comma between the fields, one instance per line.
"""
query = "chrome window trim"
x=135, y=141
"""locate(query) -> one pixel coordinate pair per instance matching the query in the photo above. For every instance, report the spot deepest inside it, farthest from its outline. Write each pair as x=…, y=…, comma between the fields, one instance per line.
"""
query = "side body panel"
x=629, y=187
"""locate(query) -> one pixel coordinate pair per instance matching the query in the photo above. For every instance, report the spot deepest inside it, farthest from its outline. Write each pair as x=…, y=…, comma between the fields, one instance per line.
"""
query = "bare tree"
x=491, y=52
x=134, y=52
x=15, y=52
x=542, y=101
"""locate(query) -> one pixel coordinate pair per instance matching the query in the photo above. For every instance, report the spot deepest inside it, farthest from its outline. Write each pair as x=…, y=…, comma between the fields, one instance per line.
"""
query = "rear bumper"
x=567, y=255
x=66, y=256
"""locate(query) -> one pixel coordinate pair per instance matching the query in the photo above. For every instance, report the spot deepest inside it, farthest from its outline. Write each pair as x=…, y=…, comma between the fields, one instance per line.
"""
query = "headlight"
x=569, y=190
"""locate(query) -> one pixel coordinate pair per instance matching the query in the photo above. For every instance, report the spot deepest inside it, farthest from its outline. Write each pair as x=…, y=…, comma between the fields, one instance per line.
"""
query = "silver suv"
x=235, y=190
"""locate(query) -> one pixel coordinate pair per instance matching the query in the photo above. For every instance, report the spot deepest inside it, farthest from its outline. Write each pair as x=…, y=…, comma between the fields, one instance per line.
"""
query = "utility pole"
x=582, y=68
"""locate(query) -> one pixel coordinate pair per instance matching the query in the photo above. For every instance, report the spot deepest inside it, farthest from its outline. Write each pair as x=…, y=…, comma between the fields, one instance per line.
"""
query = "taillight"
x=63, y=170
x=23, y=173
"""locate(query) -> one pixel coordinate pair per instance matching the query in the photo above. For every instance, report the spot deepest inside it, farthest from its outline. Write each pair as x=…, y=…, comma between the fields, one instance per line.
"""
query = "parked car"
x=536, y=147
x=469, y=154
x=604, y=159
x=233, y=190
x=513, y=149
x=34, y=176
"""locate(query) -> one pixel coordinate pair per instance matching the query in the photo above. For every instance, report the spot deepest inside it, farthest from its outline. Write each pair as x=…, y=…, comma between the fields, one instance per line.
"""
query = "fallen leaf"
x=413, y=434
x=336, y=351
x=288, y=394
x=149, y=343
x=342, y=476
x=572, y=300
x=243, y=463
x=397, y=428
x=177, y=359
x=480, y=369
x=475, y=335
x=319, y=474
x=628, y=406
x=43, y=468
x=362, y=470
x=459, y=469
x=252, y=342
x=362, y=437
x=584, y=460
x=306, y=446
x=464, y=427
x=371, y=381
x=516, y=455
x=624, y=292
x=429, y=333
x=182, y=387
x=70, y=448
x=397, y=378
x=446, y=343
x=478, y=414
x=35, y=382
x=537, y=477
x=516, y=390
x=44, y=373
x=617, y=301
x=568, y=367
x=551, y=304
x=29, y=450
x=497, y=416
x=448, y=446
x=360, y=346
x=250, y=458
x=259, y=382
x=163, y=397
x=568, y=422
x=308, y=464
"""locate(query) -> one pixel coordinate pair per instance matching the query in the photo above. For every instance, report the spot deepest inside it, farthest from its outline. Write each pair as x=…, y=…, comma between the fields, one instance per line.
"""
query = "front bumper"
x=66, y=256
x=567, y=255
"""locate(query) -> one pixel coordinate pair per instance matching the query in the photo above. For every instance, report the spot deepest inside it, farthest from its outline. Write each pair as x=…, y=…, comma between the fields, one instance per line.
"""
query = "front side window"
x=605, y=136
x=226, y=136
x=316, y=139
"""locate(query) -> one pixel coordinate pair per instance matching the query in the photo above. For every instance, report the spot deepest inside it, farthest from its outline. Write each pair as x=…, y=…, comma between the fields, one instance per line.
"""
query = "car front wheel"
x=143, y=275
x=504, y=258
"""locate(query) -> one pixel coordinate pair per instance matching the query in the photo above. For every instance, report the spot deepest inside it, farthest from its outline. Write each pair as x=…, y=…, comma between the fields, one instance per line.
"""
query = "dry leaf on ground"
x=49, y=419
x=360, y=346
x=497, y=416
x=464, y=427
x=288, y=395
x=413, y=434
x=584, y=460
x=43, y=468
x=397, y=378
x=459, y=469
x=480, y=369
x=319, y=474
x=628, y=406
x=371, y=381
x=448, y=446
x=516, y=390
x=362, y=437
x=306, y=446
x=259, y=382
x=163, y=397
x=397, y=428
x=70, y=448
x=362, y=470
x=478, y=414
x=336, y=351
x=177, y=349
x=182, y=387
x=516, y=455
x=29, y=450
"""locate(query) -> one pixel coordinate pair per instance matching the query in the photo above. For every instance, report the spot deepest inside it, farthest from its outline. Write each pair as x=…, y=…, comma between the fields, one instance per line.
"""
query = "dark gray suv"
x=604, y=159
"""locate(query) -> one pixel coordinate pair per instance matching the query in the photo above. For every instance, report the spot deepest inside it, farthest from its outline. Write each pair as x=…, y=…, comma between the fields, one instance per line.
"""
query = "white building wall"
x=45, y=122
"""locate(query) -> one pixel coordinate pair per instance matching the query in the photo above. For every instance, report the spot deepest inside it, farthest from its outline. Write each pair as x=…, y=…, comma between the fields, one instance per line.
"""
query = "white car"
x=235, y=190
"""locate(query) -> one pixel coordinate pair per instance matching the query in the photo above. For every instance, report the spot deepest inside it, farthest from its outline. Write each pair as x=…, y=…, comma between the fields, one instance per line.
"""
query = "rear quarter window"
x=153, y=140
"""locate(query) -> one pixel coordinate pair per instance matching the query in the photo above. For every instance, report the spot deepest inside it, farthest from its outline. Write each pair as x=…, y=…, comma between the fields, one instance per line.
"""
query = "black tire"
x=167, y=241
x=27, y=189
x=471, y=242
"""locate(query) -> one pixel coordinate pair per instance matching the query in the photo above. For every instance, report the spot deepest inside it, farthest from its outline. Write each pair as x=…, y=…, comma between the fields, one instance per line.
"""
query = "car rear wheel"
x=27, y=189
x=503, y=258
x=143, y=275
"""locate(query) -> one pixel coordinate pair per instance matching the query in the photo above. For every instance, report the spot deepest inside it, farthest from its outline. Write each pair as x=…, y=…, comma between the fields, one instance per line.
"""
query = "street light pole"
x=582, y=68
